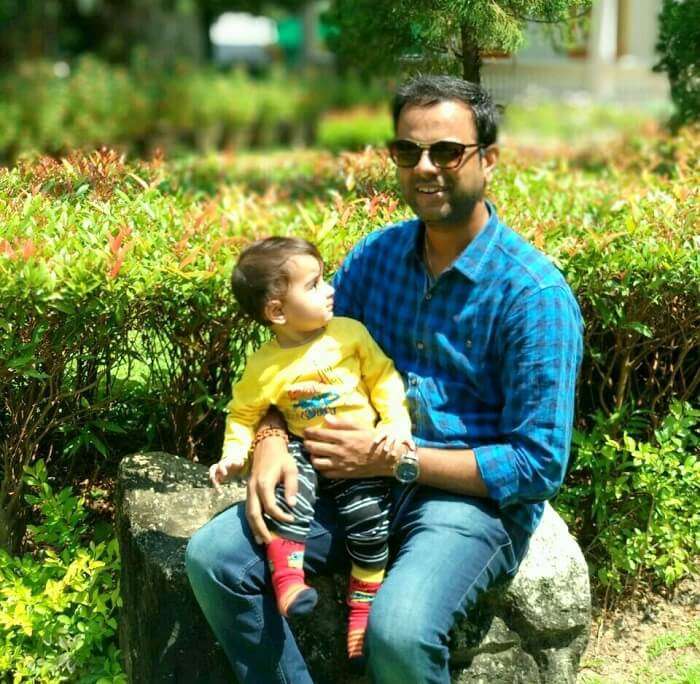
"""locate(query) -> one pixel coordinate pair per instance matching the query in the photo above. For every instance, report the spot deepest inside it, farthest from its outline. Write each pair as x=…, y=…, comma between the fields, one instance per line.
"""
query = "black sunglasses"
x=444, y=154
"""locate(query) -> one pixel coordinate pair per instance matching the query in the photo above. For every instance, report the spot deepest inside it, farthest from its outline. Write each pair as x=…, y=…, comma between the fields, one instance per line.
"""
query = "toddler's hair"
x=262, y=274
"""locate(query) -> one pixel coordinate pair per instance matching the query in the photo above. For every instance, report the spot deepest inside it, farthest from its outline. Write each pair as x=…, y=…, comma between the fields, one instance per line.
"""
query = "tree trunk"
x=13, y=508
x=471, y=59
x=12, y=524
x=309, y=19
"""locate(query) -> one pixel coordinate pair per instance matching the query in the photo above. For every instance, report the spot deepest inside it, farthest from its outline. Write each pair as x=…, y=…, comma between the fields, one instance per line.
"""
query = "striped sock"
x=286, y=560
x=363, y=587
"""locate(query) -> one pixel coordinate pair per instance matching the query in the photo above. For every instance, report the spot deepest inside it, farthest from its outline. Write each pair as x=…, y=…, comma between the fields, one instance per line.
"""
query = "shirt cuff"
x=233, y=453
x=497, y=469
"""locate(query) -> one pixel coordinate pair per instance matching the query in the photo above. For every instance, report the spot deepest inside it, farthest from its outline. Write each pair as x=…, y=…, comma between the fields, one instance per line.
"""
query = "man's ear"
x=274, y=312
x=489, y=159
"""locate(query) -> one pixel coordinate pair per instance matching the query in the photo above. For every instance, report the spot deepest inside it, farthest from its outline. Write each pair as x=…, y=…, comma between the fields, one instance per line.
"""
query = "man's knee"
x=198, y=559
x=402, y=640
x=221, y=551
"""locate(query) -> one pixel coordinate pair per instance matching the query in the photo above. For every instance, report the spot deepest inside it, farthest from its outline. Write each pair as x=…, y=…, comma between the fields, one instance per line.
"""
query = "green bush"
x=143, y=107
x=104, y=107
x=351, y=91
x=636, y=500
x=209, y=107
x=354, y=129
x=118, y=330
x=549, y=120
x=679, y=47
x=37, y=103
x=59, y=604
x=627, y=242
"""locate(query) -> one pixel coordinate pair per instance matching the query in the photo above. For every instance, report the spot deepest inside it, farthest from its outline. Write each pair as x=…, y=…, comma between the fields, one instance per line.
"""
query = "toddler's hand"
x=390, y=442
x=222, y=471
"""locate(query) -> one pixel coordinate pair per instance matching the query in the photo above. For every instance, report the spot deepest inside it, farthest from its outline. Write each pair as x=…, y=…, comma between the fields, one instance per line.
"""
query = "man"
x=487, y=337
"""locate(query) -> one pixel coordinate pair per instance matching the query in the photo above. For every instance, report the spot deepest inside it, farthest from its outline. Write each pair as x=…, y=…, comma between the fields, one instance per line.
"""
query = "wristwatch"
x=407, y=469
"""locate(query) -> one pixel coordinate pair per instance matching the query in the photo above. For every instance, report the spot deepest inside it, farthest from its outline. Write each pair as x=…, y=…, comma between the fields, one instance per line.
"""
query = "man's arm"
x=540, y=349
x=539, y=358
x=344, y=451
x=454, y=471
x=271, y=464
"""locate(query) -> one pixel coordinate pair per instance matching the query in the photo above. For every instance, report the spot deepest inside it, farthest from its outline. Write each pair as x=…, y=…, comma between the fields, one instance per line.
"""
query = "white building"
x=614, y=63
x=239, y=37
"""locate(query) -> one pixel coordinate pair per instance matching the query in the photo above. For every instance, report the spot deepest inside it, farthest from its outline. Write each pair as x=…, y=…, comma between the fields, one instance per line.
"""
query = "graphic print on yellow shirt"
x=313, y=399
x=342, y=372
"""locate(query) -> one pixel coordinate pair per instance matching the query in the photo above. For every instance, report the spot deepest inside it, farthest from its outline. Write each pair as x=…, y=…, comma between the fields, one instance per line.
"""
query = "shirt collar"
x=471, y=262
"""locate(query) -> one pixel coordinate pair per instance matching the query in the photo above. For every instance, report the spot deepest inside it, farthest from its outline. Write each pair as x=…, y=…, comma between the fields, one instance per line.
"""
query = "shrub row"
x=141, y=108
x=118, y=330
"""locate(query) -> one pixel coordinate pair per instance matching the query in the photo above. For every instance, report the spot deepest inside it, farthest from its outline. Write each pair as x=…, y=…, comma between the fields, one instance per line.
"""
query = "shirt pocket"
x=441, y=411
x=467, y=359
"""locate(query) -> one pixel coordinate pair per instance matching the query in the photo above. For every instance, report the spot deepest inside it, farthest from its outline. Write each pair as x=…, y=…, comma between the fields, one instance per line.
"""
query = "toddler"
x=315, y=365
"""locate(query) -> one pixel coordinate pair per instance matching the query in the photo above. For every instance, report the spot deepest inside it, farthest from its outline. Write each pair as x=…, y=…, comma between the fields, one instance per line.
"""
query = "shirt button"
x=428, y=297
x=412, y=381
x=420, y=345
x=469, y=344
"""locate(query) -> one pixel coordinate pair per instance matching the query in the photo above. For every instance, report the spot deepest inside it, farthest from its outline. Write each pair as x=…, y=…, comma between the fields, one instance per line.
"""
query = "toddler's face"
x=308, y=303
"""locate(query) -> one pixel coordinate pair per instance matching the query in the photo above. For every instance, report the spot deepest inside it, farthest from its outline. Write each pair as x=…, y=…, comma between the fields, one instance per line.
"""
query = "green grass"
x=673, y=641
x=671, y=658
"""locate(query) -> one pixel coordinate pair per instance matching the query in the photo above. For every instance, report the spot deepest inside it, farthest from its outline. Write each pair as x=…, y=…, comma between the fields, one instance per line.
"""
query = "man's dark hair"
x=428, y=90
x=262, y=273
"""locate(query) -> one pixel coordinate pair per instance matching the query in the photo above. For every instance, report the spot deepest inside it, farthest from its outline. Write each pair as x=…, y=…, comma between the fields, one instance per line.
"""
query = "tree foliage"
x=679, y=46
x=450, y=35
x=55, y=29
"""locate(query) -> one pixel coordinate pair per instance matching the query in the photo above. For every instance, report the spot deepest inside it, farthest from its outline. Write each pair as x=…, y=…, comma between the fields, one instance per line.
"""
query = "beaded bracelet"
x=269, y=432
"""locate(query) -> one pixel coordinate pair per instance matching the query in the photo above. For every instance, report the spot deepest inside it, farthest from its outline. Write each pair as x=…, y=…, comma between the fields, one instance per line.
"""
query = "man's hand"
x=271, y=464
x=343, y=450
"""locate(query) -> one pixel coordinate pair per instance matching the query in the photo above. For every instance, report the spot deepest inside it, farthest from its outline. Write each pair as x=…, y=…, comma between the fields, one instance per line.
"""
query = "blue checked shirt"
x=489, y=352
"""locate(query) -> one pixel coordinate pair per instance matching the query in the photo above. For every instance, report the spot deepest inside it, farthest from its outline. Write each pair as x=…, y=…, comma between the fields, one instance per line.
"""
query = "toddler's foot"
x=363, y=587
x=286, y=560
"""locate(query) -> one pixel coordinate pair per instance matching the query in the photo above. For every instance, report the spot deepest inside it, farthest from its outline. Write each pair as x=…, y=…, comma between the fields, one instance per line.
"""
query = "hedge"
x=119, y=332
x=144, y=107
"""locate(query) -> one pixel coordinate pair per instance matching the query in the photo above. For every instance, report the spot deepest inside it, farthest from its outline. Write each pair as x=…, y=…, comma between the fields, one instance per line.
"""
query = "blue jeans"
x=446, y=549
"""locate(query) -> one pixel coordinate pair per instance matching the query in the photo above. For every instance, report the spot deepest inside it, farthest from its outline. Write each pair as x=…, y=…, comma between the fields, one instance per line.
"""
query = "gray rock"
x=532, y=630
x=161, y=500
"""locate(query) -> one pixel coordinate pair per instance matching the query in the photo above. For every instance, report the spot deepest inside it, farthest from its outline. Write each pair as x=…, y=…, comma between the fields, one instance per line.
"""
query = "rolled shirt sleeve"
x=541, y=349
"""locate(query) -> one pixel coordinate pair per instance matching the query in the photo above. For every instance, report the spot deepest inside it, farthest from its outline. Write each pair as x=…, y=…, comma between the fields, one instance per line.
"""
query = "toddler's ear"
x=274, y=312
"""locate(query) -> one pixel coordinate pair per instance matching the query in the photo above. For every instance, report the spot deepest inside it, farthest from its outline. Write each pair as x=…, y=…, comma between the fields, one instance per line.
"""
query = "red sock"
x=286, y=560
x=363, y=587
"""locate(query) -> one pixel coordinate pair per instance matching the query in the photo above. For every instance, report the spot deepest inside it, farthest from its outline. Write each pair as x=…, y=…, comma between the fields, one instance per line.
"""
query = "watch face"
x=407, y=471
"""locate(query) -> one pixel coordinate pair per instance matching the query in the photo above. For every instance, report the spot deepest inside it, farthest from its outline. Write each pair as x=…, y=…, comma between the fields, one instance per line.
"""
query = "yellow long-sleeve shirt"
x=342, y=372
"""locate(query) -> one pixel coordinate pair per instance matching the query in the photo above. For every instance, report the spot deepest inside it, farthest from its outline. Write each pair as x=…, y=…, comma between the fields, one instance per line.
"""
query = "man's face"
x=443, y=198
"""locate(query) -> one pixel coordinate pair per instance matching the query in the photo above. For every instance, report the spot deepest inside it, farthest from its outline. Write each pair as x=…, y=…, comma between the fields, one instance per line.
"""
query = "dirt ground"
x=654, y=639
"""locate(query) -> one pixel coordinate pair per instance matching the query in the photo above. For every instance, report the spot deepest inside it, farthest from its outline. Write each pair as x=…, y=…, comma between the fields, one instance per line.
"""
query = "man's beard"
x=461, y=209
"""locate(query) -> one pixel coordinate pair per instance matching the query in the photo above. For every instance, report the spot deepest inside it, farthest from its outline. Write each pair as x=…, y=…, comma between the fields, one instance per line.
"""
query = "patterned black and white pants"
x=363, y=506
